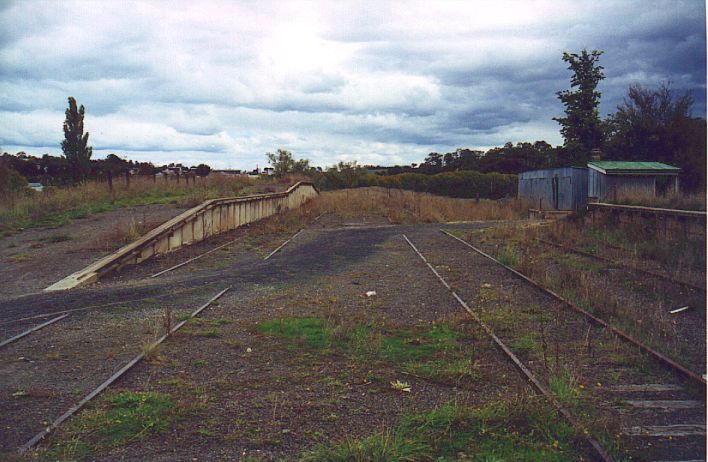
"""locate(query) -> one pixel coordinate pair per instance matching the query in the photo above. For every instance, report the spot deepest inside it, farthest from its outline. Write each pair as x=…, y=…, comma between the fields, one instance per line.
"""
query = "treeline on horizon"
x=57, y=170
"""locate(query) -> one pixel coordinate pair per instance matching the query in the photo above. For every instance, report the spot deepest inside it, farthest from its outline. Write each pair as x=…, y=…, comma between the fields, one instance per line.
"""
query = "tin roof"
x=620, y=167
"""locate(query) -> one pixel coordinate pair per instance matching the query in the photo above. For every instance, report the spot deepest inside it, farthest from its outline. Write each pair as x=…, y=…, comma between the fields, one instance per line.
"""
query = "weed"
x=20, y=257
x=151, y=351
x=54, y=238
x=214, y=332
x=565, y=387
x=519, y=430
x=508, y=257
x=118, y=419
x=310, y=331
x=205, y=432
x=526, y=344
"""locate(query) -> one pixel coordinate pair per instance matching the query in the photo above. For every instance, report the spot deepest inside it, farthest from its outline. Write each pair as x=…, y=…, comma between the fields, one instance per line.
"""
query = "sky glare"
x=379, y=82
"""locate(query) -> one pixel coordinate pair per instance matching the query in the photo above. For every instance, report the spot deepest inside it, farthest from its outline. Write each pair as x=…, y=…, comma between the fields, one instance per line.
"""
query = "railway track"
x=658, y=414
x=666, y=361
x=619, y=264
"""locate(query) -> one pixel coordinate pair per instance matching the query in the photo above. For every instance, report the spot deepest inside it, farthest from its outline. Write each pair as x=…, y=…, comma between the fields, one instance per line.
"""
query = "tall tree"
x=75, y=145
x=581, y=127
x=656, y=125
x=283, y=163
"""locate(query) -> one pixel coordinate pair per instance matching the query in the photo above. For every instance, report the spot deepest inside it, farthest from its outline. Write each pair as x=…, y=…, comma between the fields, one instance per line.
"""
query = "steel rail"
x=665, y=360
x=75, y=408
x=102, y=305
x=33, y=329
x=518, y=363
x=283, y=244
x=179, y=265
x=623, y=265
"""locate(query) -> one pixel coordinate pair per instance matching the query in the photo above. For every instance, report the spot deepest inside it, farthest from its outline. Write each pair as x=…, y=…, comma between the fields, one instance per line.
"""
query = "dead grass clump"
x=670, y=200
x=54, y=206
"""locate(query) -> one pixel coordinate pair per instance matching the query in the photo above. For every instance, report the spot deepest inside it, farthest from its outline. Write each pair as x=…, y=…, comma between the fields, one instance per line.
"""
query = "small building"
x=612, y=179
x=555, y=188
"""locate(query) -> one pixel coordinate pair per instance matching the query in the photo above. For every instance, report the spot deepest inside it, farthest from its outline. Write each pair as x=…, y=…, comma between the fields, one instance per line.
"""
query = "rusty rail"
x=519, y=364
x=665, y=360
x=98, y=390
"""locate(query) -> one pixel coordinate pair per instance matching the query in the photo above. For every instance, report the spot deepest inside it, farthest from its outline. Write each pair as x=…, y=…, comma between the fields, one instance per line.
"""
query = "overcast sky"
x=381, y=82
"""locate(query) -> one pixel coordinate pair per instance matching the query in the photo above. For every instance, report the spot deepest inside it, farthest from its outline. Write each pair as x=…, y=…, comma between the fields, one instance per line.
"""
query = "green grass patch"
x=509, y=257
x=526, y=344
x=312, y=332
x=433, y=352
x=119, y=419
x=523, y=430
x=565, y=387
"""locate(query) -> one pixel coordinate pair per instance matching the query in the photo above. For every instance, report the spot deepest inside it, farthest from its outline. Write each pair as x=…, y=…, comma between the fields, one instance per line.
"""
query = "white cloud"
x=382, y=82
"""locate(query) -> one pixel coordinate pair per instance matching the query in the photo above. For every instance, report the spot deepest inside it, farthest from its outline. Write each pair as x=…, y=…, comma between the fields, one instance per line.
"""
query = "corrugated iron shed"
x=555, y=188
x=611, y=179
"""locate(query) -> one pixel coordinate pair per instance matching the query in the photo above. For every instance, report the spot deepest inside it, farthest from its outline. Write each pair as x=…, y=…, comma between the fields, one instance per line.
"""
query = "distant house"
x=571, y=188
x=39, y=187
x=268, y=171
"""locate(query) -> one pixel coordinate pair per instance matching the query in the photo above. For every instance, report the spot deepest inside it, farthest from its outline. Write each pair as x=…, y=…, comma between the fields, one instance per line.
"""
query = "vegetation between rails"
x=117, y=419
x=525, y=429
x=638, y=305
x=438, y=352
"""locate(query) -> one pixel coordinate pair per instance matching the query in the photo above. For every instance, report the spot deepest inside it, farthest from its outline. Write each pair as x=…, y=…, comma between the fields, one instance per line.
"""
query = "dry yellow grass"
x=56, y=206
x=678, y=201
x=413, y=207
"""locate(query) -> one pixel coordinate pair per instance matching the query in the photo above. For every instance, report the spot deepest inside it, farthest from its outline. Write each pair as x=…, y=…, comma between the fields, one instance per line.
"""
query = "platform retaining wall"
x=207, y=219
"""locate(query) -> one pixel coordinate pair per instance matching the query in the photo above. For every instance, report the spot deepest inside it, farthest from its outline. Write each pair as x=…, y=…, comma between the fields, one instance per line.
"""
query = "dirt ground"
x=240, y=390
x=38, y=257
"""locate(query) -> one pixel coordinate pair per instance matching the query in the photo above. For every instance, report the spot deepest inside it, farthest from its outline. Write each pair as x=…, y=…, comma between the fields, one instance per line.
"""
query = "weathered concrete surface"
x=211, y=217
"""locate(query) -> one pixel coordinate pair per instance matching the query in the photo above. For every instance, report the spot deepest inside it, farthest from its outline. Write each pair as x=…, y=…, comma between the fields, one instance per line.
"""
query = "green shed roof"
x=620, y=167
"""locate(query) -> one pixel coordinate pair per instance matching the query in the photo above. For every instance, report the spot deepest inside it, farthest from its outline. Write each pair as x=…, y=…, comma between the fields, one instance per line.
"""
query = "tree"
x=433, y=163
x=75, y=145
x=656, y=125
x=202, y=170
x=581, y=127
x=283, y=163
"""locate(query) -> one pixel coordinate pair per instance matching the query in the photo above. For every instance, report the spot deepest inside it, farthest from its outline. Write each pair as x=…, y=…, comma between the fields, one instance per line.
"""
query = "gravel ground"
x=245, y=393
x=38, y=257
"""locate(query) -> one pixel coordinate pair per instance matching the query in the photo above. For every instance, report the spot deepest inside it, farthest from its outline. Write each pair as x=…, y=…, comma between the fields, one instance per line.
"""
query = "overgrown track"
x=579, y=345
x=655, y=413
x=623, y=265
x=661, y=358
x=599, y=450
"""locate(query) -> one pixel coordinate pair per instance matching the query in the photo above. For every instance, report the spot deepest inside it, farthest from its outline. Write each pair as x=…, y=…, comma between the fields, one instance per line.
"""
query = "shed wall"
x=555, y=189
x=605, y=187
